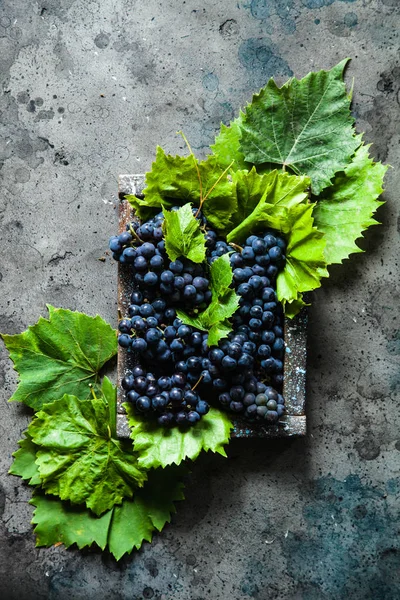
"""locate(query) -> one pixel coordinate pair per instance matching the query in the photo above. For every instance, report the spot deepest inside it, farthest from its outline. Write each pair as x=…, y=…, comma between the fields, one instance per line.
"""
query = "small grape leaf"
x=293, y=307
x=221, y=276
x=226, y=147
x=282, y=193
x=305, y=262
x=345, y=209
x=183, y=236
x=251, y=188
x=174, y=181
x=121, y=528
x=59, y=355
x=24, y=461
x=305, y=125
x=223, y=305
x=218, y=331
x=158, y=447
x=78, y=459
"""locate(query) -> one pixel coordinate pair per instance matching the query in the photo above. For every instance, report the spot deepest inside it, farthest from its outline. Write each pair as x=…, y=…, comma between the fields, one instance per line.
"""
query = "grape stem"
x=197, y=383
x=133, y=232
x=236, y=246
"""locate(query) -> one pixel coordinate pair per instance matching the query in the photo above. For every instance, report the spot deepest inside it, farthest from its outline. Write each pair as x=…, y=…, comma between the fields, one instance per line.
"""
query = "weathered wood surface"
x=294, y=386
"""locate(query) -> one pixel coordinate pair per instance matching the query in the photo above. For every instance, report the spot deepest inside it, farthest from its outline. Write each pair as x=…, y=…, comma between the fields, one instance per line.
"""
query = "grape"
x=125, y=238
x=150, y=279
x=158, y=402
x=248, y=253
x=275, y=254
x=251, y=411
x=129, y=255
x=114, y=244
x=202, y=407
x=228, y=363
x=236, y=406
x=189, y=293
x=124, y=340
x=132, y=396
x=178, y=379
x=137, y=371
x=143, y=403
x=140, y=263
x=125, y=326
x=176, y=266
x=193, y=417
x=184, y=331
x=166, y=419
x=139, y=345
x=176, y=395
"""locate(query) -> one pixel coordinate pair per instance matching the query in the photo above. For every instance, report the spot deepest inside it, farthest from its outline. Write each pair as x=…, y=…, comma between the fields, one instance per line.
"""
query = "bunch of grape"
x=244, y=373
x=182, y=282
x=170, y=399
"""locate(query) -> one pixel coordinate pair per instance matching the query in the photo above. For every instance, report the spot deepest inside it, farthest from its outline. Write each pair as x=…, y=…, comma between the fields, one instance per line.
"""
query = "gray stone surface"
x=88, y=90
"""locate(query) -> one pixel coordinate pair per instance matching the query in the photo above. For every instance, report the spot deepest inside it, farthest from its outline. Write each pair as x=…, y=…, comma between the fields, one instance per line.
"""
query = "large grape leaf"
x=121, y=528
x=78, y=459
x=345, y=209
x=282, y=192
x=58, y=522
x=159, y=446
x=177, y=180
x=305, y=261
x=223, y=305
x=183, y=236
x=135, y=520
x=60, y=355
x=305, y=125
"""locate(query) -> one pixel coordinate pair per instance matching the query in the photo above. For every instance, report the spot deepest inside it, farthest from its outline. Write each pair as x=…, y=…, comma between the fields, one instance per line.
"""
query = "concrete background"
x=88, y=90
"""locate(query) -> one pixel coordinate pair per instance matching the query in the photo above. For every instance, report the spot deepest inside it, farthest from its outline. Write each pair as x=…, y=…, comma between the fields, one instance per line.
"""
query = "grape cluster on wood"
x=178, y=374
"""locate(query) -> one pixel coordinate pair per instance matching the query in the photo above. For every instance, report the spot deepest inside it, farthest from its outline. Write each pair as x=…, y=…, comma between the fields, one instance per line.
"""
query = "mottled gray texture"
x=89, y=89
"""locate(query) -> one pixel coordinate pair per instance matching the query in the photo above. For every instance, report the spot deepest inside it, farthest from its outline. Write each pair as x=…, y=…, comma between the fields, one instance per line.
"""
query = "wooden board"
x=295, y=334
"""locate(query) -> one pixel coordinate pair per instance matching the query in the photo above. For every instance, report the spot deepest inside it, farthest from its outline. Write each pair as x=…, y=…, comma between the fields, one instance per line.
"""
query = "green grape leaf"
x=305, y=125
x=345, y=209
x=183, y=236
x=78, y=459
x=305, y=262
x=218, y=331
x=251, y=188
x=226, y=147
x=223, y=305
x=59, y=355
x=122, y=528
x=221, y=277
x=109, y=393
x=293, y=307
x=158, y=447
x=24, y=461
x=136, y=520
x=282, y=193
x=219, y=193
x=62, y=522
x=177, y=180
x=192, y=321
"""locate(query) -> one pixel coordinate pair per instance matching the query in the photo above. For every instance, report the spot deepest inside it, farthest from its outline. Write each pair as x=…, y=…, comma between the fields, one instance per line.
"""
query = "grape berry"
x=244, y=373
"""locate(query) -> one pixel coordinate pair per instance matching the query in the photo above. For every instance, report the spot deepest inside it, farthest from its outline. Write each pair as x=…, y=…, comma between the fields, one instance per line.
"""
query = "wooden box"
x=293, y=423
